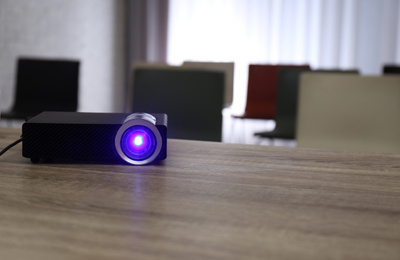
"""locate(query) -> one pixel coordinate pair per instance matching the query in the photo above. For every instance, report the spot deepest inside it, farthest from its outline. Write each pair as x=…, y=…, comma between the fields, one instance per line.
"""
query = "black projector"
x=137, y=138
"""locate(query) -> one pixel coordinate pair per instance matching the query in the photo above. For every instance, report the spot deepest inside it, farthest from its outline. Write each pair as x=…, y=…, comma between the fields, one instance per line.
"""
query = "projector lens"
x=138, y=140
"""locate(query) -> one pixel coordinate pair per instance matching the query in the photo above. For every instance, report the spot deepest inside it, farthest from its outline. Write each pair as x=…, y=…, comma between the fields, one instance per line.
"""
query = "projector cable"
x=10, y=146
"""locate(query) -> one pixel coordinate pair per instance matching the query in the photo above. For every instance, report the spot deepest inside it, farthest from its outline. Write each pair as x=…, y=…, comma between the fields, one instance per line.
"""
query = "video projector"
x=138, y=138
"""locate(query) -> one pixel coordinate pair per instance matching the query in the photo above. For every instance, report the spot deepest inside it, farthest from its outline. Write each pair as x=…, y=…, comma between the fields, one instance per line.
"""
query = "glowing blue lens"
x=138, y=142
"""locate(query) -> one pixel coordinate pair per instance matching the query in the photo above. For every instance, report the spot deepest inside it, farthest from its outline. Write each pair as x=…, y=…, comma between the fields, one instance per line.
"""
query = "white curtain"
x=326, y=34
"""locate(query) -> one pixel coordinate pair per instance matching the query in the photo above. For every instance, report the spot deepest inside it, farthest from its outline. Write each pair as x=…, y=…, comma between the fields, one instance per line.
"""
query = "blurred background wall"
x=92, y=31
x=108, y=35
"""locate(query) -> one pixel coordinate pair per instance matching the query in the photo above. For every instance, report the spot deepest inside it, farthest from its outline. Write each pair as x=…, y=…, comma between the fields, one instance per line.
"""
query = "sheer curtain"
x=147, y=30
x=147, y=23
x=346, y=34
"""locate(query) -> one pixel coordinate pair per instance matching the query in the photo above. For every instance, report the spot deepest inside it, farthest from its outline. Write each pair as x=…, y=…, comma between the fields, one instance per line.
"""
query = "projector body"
x=87, y=137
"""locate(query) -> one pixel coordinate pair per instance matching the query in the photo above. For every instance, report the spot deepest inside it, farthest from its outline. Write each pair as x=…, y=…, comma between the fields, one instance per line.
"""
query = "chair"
x=261, y=91
x=391, y=69
x=349, y=112
x=286, y=105
x=192, y=99
x=227, y=67
x=142, y=65
x=44, y=85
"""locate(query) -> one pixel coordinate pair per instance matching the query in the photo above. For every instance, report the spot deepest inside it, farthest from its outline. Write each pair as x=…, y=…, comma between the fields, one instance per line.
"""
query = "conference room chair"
x=286, y=104
x=261, y=91
x=391, y=69
x=349, y=112
x=261, y=95
x=192, y=99
x=227, y=67
x=44, y=85
x=142, y=65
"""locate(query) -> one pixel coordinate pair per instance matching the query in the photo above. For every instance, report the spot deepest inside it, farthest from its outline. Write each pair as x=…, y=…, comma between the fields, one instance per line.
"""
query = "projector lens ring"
x=138, y=140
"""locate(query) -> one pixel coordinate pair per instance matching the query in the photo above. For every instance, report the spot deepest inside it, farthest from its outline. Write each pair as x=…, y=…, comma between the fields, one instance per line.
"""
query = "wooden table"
x=208, y=201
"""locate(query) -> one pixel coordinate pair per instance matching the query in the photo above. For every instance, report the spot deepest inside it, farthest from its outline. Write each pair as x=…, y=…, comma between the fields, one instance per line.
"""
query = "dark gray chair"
x=192, y=99
x=391, y=69
x=44, y=85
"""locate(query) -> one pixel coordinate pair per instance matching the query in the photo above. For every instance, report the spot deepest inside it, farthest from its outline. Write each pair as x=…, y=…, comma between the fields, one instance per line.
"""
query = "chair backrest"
x=227, y=67
x=142, y=65
x=192, y=99
x=261, y=90
x=349, y=112
x=286, y=103
x=46, y=85
x=391, y=69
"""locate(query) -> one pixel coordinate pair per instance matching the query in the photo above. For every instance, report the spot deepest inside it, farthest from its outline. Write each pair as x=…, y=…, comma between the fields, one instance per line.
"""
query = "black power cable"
x=10, y=146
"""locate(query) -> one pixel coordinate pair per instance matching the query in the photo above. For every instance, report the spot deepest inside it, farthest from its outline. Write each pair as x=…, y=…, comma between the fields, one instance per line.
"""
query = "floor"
x=242, y=131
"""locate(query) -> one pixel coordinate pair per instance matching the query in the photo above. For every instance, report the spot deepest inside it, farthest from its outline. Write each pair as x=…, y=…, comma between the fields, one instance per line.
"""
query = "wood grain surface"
x=207, y=201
